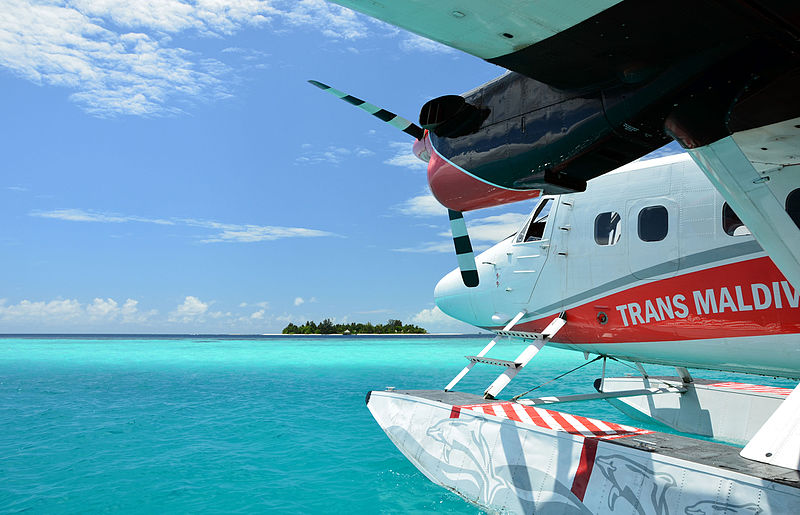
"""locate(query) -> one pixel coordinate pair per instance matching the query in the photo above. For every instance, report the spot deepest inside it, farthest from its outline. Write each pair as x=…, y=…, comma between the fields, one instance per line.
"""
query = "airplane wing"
x=574, y=44
x=489, y=30
x=720, y=77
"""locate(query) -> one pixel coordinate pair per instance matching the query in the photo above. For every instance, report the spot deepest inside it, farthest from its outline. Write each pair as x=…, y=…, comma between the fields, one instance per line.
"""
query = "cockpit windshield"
x=534, y=229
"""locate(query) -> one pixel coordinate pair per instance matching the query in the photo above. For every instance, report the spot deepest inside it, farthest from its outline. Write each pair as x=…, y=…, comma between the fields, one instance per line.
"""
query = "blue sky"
x=166, y=168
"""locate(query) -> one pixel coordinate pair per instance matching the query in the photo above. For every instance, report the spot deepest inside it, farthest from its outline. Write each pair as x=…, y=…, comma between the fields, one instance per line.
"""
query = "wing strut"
x=777, y=442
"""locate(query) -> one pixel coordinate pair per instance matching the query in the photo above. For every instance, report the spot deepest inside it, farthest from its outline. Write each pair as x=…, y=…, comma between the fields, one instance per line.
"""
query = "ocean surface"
x=236, y=425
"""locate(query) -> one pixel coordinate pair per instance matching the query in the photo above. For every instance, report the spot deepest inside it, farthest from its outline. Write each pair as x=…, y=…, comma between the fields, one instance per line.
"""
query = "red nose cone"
x=456, y=189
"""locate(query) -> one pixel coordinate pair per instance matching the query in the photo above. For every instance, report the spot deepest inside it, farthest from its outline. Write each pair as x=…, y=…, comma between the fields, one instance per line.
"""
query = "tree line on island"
x=328, y=327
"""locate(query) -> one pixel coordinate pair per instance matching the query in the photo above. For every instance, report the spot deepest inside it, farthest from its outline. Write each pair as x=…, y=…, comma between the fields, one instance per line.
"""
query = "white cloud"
x=130, y=307
x=430, y=246
x=54, y=310
x=247, y=233
x=171, y=16
x=422, y=205
x=435, y=320
x=16, y=188
x=258, y=315
x=415, y=43
x=432, y=315
x=72, y=312
x=119, y=57
x=483, y=232
x=404, y=156
x=336, y=22
x=191, y=309
x=331, y=155
x=493, y=229
x=332, y=20
x=130, y=313
x=81, y=215
x=256, y=233
x=299, y=301
x=102, y=308
x=110, y=71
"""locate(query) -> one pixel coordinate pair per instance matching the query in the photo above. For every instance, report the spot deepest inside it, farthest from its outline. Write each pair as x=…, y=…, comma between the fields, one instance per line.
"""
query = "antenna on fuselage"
x=458, y=228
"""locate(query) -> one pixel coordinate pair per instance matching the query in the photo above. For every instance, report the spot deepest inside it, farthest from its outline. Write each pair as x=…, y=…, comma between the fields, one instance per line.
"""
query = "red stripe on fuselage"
x=636, y=315
x=459, y=191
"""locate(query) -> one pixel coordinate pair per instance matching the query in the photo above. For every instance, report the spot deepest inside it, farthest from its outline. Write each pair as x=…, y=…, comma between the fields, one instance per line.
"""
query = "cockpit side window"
x=793, y=206
x=731, y=223
x=607, y=228
x=535, y=228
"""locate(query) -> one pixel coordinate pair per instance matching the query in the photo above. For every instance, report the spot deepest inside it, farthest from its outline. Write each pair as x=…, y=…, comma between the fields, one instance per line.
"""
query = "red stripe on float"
x=536, y=418
x=510, y=413
x=584, y=472
x=617, y=427
x=556, y=421
x=753, y=388
x=590, y=426
x=565, y=425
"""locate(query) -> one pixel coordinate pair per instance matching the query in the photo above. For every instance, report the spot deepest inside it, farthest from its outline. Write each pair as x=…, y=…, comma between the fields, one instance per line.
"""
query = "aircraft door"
x=653, y=236
x=519, y=270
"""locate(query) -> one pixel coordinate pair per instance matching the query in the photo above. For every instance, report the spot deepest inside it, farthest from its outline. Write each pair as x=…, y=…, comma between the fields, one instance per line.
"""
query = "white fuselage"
x=650, y=265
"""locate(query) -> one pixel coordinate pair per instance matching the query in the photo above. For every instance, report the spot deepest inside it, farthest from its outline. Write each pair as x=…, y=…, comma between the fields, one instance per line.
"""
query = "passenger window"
x=653, y=223
x=535, y=229
x=607, y=228
x=731, y=223
x=793, y=206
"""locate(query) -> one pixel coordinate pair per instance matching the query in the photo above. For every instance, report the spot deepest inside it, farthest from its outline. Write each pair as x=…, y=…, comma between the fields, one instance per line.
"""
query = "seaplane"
x=690, y=261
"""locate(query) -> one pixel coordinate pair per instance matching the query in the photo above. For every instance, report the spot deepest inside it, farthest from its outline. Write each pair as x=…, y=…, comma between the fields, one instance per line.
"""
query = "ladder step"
x=520, y=334
x=482, y=353
x=492, y=361
x=537, y=342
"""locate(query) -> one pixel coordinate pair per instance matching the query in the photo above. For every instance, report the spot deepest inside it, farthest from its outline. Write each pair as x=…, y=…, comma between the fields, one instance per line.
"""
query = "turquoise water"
x=232, y=426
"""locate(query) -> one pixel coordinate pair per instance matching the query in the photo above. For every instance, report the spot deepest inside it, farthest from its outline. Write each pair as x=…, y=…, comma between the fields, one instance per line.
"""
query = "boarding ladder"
x=512, y=368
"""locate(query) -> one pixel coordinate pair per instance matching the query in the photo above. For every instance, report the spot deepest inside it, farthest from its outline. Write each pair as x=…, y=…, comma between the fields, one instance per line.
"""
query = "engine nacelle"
x=514, y=138
x=451, y=116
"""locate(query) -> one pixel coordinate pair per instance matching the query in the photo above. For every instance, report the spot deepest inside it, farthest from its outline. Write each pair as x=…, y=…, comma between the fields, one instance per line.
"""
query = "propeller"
x=464, y=253
x=458, y=228
x=392, y=119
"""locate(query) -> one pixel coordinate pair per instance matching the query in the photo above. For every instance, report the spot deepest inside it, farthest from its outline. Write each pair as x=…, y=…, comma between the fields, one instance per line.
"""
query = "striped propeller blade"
x=392, y=119
x=464, y=253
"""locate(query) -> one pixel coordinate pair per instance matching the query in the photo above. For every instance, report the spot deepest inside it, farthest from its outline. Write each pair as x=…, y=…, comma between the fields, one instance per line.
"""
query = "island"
x=328, y=327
